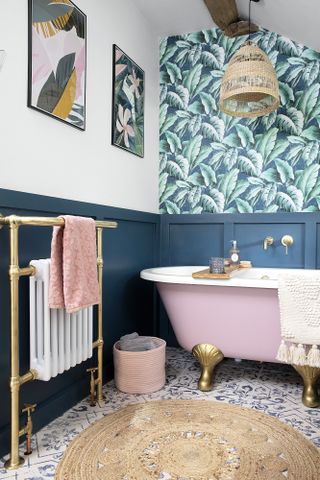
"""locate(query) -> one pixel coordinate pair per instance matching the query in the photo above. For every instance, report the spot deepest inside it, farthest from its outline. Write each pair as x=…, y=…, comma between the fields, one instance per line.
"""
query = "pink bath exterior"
x=242, y=322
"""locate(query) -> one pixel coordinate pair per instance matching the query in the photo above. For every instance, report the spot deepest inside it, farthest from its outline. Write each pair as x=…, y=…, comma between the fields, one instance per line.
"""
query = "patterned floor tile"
x=270, y=388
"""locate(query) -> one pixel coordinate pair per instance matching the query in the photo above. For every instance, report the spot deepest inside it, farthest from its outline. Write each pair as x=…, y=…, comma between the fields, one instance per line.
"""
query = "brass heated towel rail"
x=15, y=272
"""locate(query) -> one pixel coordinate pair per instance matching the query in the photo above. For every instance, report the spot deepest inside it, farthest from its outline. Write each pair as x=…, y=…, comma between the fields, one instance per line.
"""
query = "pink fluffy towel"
x=73, y=271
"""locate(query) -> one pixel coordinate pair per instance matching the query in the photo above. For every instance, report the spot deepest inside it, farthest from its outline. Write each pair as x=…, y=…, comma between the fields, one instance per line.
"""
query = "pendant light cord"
x=249, y=20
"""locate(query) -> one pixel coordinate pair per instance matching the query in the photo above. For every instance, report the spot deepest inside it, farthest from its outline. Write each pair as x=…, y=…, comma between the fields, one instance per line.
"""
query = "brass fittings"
x=287, y=241
x=93, y=383
x=28, y=409
x=267, y=242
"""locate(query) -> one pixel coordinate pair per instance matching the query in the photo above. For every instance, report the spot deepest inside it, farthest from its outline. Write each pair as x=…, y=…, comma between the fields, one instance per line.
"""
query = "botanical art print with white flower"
x=212, y=162
x=128, y=103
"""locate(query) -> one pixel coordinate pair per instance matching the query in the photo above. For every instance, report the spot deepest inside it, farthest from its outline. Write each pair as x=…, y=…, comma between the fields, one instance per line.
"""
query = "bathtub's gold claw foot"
x=311, y=376
x=208, y=356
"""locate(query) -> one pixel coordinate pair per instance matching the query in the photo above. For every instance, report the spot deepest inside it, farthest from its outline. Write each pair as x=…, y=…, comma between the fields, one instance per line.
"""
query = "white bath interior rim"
x=244, y=277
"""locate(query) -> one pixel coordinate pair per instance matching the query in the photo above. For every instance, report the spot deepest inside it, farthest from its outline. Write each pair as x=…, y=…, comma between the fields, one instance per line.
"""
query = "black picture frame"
x=128, y=92
x=73, y=22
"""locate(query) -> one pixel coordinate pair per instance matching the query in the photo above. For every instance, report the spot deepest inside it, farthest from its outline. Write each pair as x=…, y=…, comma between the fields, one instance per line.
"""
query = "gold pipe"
x=15, y=460
x=97, y=343
x=100, y=318
x=27, y=271
x=48, y=221
x=27, y=377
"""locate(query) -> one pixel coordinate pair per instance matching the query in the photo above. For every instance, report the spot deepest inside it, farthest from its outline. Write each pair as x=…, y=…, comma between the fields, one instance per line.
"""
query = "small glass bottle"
x=234, y=254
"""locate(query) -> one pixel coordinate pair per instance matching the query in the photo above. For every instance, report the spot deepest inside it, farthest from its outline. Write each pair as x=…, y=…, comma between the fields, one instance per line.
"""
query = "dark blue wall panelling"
x=250, y=238
x=128, y=301
x=188, y=245
x=193, y=239
x=317, y=245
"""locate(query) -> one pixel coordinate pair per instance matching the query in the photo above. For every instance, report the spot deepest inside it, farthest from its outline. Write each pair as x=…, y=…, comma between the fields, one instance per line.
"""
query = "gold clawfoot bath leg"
x=208, y=356
x=310, y=375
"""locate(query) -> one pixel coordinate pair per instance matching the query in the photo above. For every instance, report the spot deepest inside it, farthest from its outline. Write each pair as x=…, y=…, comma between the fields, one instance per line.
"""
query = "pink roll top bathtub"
x=240, y=315
x=237, y=318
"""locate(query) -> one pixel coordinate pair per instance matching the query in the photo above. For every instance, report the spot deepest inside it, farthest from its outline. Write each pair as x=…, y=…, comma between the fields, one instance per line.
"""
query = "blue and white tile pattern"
x=270, y=388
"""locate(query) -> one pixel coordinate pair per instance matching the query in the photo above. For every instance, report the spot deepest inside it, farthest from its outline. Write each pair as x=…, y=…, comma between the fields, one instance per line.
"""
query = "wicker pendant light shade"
x=250, y=86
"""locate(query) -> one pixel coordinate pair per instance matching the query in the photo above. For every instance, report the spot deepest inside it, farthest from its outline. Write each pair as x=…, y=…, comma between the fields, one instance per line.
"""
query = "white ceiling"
x=296, y=19
x=170, y=17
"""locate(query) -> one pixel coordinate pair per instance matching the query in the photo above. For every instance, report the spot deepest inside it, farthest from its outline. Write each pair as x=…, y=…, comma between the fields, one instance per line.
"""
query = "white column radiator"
x=58, y=340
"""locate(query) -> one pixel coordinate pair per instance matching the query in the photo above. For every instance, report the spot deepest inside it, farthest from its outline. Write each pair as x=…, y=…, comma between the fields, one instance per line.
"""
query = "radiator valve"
x=28, y=409
x=93, y=383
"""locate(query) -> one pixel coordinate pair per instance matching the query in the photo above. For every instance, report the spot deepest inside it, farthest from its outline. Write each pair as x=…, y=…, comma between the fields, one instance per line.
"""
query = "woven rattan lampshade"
x=249, y=86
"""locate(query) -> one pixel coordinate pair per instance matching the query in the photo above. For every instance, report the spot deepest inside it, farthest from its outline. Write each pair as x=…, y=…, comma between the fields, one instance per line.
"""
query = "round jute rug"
x=189, y=440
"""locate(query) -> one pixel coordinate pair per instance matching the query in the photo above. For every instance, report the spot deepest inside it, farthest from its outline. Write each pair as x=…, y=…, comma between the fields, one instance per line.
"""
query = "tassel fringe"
x=313, y=358
x=283, y=354
x=299, y=354
x=291, y=352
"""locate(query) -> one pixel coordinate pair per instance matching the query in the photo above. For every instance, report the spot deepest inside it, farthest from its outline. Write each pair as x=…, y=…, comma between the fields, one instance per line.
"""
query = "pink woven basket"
x=140, y=372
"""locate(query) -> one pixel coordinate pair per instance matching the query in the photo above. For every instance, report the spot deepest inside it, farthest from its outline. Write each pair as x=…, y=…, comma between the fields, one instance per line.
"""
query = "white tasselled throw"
x=299, y=300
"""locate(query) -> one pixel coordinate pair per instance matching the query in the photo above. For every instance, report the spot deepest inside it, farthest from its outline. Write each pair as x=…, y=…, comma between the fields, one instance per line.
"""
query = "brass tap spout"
x=93, y=384
x=267, y=242
x=28, y=409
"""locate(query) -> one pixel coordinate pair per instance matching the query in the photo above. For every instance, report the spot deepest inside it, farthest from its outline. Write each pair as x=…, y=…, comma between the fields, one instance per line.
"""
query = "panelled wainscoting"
x=192, y=239
x=128, y=302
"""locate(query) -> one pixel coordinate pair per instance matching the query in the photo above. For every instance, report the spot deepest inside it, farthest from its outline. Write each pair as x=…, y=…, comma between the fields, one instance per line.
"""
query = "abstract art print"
x=128, y=104
x=57, y=60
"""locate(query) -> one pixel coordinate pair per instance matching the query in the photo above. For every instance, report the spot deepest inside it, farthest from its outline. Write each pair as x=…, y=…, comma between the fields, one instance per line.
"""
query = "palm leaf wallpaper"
x=211, y=162
x=57, y=60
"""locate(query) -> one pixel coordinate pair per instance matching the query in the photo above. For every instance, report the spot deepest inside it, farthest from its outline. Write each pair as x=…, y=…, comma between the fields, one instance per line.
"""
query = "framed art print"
x=57, y=60
x=127, y=104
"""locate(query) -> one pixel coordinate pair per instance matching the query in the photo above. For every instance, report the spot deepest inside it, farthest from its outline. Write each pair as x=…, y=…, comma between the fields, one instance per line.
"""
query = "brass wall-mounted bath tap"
x=287, y=241
x=267, y=242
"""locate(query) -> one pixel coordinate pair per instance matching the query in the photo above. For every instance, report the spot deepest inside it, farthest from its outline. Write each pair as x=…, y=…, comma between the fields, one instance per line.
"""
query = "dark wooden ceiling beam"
x=225, y=15
x=223, y=12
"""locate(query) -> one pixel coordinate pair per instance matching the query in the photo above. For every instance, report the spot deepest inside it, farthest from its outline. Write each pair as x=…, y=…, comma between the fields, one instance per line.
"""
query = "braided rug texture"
x=189, y=440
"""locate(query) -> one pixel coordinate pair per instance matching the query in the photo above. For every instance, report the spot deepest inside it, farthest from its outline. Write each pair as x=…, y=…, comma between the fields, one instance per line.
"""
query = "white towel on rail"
x=299, y=300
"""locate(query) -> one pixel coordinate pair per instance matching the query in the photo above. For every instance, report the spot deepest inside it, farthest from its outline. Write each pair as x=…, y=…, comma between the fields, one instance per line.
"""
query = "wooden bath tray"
x=220, y=276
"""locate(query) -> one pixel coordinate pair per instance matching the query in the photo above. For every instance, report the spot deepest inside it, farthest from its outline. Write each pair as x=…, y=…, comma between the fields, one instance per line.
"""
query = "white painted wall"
x=42, y=155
